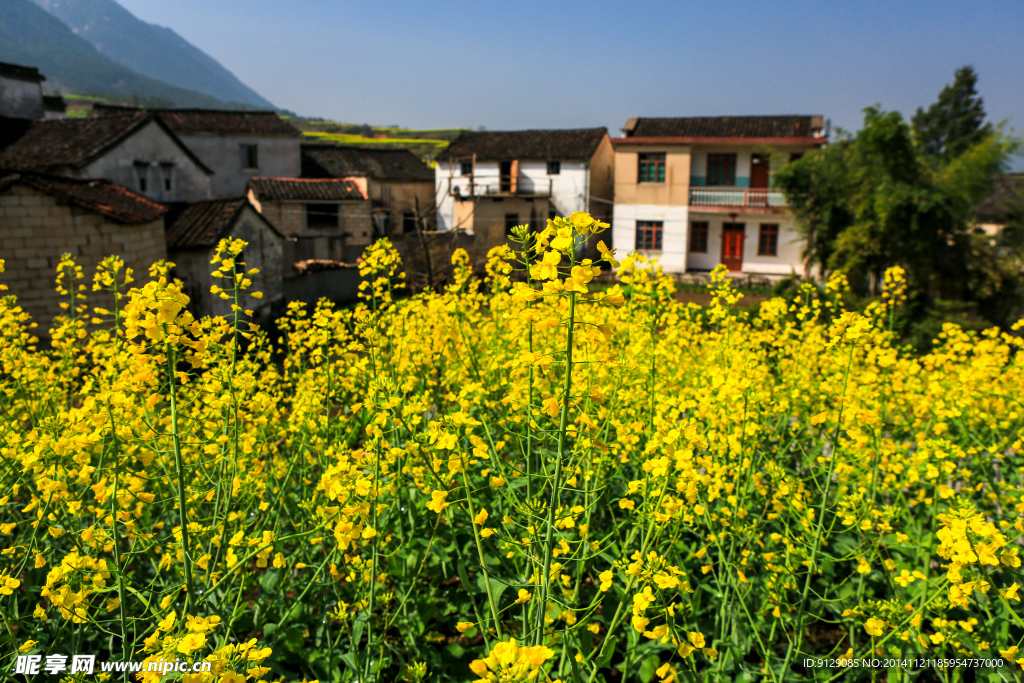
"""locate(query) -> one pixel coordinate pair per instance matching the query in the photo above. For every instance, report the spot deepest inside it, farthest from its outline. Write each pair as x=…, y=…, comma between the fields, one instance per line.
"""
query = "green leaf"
x=268, y=629
x=648, y=667
x=455, y=650
x=463, y=574
x=609, y=650
x=497, y=587
x=358, y=624
x=575, y=667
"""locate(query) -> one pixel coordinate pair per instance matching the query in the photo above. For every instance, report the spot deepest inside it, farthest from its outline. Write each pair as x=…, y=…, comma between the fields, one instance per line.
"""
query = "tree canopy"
x=904, y=194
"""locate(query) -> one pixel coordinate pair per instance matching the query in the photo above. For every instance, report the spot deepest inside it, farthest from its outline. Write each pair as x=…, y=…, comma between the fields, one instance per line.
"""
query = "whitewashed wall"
x=152, y=145
x=675, y=232
x=569, y=188
x=277, y=156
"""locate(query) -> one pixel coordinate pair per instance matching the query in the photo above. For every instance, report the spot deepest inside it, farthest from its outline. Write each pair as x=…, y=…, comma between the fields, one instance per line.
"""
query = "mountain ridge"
x=150, y=50
x=31, y=36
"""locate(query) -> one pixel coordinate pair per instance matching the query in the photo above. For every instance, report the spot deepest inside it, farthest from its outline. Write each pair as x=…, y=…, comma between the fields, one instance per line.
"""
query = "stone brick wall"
x=35, y=229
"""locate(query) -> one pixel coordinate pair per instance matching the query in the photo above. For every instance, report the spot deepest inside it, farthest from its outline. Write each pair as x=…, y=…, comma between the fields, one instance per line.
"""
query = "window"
x=511, y=221
x=321, y=215
x=648, y=235
x=142, y=175
x=768, y=240
x=408, y=222
x=652, y=167
x=249, y=157
x=167, y=172
x=699, y=237
x=466, y=166
x=554, y=167
x=721, y=169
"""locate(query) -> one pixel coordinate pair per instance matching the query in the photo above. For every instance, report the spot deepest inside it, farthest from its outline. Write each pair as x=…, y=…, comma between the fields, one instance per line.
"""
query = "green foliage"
x=956, y=121
x=880, y=199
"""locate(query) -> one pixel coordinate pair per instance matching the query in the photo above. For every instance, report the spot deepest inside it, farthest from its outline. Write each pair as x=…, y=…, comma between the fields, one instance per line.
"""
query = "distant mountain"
x=150, y=50
x=31, y=36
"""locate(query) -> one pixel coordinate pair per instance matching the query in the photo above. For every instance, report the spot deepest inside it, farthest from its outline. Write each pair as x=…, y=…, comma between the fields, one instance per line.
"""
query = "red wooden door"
x=732, y=246
x=758, y=171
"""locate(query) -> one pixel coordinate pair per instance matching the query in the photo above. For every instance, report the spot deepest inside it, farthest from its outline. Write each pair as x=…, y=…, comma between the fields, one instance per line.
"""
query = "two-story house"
x=696, y=192
x=236, y=145
x=400, y=186
x=489, y=182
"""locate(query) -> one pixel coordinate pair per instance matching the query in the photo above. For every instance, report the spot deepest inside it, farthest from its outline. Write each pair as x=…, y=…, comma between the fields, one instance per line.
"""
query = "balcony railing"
x=738, y=198
x=503, y=186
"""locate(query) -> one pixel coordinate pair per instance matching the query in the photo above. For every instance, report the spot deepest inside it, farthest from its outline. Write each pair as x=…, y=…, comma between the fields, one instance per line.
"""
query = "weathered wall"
x=401, y=197
x=336, y=284
x=20, y=99
x=344, y=243
x=278, y=157
x=153, y=147
x=35, y=230
x=264, y=251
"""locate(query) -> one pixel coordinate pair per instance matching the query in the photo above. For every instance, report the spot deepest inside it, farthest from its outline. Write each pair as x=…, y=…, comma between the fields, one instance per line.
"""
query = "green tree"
x=876, y=200
x=956, y=121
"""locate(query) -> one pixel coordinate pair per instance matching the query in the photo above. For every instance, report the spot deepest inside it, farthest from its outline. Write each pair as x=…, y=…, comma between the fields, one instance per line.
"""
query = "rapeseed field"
x=518, y=478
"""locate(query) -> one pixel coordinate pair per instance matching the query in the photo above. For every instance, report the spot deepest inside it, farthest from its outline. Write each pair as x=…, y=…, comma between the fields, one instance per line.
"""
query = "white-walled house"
x=696, y=192
x=135, y=150
x=237, y=145
x=489, y=182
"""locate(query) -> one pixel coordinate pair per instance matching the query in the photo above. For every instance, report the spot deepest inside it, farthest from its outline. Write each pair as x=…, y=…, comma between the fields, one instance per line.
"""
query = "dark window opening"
x=699, y=237
x=321, y=216
x=167, y=170
x=142, y=174
x=554, y=167
x=721, y=169
x=768, y=240
x=648, y=235
x=651, y=167
x=466, y=167
x=408, y=222
x=511, y=221
x=249, y=156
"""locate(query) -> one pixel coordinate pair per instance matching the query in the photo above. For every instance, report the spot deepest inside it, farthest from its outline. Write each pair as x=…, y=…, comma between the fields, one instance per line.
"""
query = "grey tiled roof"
x=535, y=145
x=199, y=225
x=724, y=127
x=305, y=189
x=74, y=143
x=347, y=161
x=98, y=194
x=211, y=121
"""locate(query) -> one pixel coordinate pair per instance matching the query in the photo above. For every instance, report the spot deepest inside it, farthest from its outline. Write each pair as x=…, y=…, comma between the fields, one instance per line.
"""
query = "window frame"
x=699, y=234
x=650, y=165
x=649, y=235
x=322, y=223
x=768, y=239
x=724, y=164
x=554, y=167
x=465, y=167
x=249, y=156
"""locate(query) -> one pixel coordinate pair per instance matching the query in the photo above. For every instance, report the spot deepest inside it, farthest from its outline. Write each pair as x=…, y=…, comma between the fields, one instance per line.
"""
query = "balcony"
x=732, y=200
x=503, y=186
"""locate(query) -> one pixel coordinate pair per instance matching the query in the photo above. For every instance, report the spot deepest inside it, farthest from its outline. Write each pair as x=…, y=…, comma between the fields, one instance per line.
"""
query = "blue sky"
x=558, y=64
